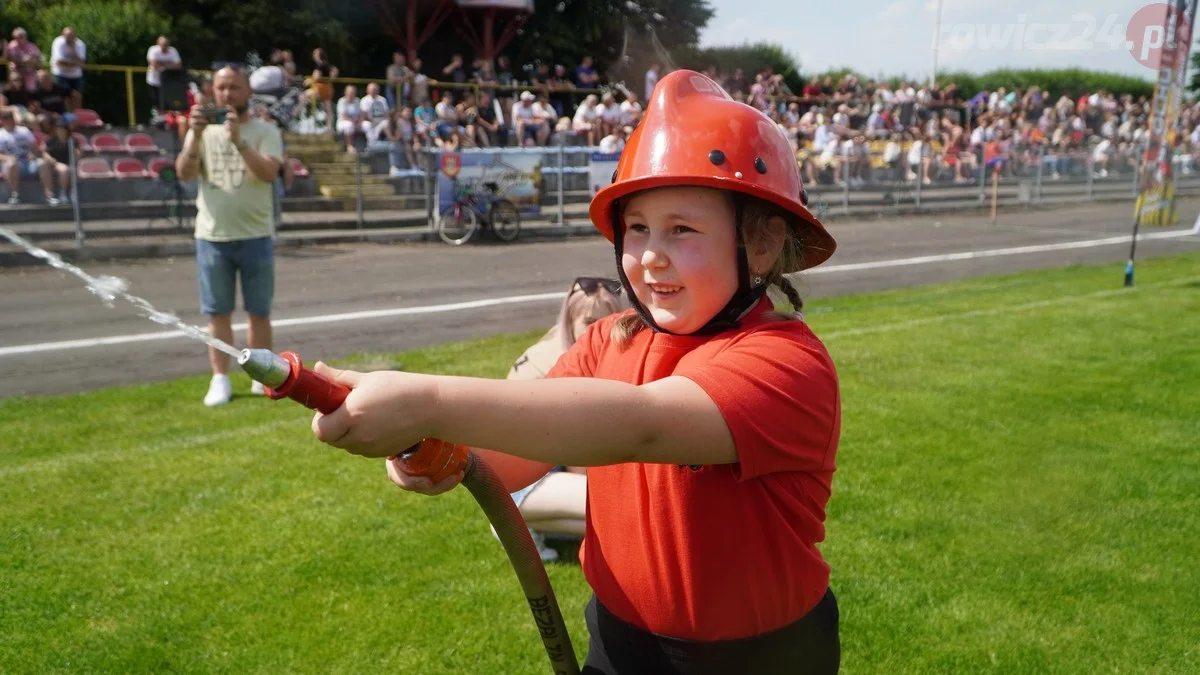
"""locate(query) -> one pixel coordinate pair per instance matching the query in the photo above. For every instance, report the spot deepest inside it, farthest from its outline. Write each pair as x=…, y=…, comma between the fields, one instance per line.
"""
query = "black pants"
x=810, y=645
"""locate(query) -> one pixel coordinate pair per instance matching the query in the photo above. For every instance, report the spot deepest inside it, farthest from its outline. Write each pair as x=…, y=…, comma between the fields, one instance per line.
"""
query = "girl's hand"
x=420, y=484
x=382, y=416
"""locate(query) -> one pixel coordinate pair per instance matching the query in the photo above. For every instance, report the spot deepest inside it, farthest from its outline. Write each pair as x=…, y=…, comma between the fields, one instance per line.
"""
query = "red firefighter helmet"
x=694, y=133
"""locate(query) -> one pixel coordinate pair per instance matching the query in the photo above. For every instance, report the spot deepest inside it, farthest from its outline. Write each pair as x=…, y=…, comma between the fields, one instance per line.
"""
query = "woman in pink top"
x=25, y=57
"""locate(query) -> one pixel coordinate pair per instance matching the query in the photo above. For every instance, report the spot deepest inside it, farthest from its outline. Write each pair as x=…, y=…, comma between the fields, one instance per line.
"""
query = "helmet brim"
x=816, y=244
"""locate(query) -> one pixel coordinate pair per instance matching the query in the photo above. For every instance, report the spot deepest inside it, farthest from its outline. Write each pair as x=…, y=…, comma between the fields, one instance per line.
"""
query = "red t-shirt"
x=723, y=551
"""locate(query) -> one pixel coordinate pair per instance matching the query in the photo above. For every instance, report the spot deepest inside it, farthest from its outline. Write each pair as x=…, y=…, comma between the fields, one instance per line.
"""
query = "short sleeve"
x=778, y=392
x=271, y=144
x=581, y=359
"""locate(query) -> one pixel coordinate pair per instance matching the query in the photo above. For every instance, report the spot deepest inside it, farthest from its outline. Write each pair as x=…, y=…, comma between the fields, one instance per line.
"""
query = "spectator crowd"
x=849, y=131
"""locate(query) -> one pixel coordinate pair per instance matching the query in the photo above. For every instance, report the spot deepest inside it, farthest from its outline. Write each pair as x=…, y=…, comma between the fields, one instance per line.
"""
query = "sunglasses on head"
x=590, y=285
x=236, y=66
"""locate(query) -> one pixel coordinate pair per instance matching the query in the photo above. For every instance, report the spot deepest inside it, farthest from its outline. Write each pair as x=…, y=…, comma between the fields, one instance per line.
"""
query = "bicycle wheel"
x=457, y=224
x=506, y=220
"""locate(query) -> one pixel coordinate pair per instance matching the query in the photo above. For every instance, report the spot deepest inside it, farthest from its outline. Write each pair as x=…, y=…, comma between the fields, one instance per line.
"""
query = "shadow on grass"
x=567, y=547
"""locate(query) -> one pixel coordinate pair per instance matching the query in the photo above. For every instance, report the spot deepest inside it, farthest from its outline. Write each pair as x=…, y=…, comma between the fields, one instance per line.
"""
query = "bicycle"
x=459, y=222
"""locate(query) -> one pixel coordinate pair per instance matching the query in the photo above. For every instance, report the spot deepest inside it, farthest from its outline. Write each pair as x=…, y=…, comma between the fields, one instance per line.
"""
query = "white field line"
x=18, y=350
x=63, y=462
x=186, y=442
x=1004, y=309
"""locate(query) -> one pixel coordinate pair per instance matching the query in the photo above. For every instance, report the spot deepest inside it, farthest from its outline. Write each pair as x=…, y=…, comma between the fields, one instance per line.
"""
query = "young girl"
x=709, y=423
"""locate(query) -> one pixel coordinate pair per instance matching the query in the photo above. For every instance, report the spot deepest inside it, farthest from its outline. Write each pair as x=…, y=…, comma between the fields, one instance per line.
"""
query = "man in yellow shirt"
x=236, y=164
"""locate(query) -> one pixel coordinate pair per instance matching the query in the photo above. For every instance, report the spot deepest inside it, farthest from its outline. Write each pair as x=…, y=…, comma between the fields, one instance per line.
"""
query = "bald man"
x=67, y=55
x=236, y=162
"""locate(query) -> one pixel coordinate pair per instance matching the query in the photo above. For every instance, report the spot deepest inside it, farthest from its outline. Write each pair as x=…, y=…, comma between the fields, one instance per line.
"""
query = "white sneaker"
x=220, y=391
x=256, y=388
x=548, y=554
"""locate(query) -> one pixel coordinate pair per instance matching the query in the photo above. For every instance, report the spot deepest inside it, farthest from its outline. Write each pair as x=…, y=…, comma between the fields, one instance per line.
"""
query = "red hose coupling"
x=284, y=376
x=434, y=459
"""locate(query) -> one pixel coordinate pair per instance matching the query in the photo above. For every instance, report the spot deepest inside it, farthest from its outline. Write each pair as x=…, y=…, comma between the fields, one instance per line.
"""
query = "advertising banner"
x=1156, y=199
x=603, y=164
x=517, y=177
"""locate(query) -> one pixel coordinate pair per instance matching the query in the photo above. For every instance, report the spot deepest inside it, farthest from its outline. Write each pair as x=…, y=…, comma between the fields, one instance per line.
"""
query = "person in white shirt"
x=447, y=117
x=919, y=160
x=610, y=114
x=375, y=111
x=614, y=142
x=1101, y=157
x=546, y=109
x=21, y=157
x=651, y=80
x=831, y=159
x=631, y=110
x=67, y=55
x=350, y=117
x=162, y=56
x=587, y=118
x=529, y=122
x=822, y=136
x=892, y=155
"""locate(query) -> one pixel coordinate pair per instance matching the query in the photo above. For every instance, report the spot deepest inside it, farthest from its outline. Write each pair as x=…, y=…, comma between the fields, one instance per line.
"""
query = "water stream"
x=109, y=288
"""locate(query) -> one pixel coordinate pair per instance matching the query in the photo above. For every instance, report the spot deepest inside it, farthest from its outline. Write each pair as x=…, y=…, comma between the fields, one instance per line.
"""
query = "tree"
x=115, y=32
x=617, y=35
x=750, y=58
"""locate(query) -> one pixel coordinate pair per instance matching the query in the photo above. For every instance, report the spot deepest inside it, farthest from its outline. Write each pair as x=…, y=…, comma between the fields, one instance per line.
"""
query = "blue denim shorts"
x=218, y=265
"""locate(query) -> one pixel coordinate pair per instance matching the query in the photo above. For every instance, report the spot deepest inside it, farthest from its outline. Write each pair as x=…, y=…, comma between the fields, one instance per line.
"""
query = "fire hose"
x=284, y=376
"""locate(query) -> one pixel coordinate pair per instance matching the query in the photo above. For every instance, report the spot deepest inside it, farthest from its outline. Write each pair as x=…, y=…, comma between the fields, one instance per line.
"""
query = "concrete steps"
x=367, y=179
x=350, y=191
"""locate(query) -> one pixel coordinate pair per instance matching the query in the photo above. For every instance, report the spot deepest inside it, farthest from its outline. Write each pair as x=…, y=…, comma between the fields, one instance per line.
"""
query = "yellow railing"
x=473, y=87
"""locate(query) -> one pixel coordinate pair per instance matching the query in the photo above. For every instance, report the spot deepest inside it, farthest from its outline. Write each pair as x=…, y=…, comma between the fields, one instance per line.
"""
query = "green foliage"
x=206, y=31
x=1070, y=81
x=1017, y=491
x=621, y=40
x=1193, y=86
x=116, y=32
x=13, y=14
x=751, y=58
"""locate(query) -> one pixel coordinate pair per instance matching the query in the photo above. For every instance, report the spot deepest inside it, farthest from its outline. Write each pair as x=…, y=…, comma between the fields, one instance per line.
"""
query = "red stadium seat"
x=126, y=168
x=86, y=117
x=81, y=142
x=157, y=164
x=93, y=167
x=107, y=142
x=140, y=143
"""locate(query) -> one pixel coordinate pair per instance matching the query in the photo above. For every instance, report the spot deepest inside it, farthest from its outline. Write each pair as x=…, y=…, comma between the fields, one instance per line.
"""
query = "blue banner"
x=517, y=176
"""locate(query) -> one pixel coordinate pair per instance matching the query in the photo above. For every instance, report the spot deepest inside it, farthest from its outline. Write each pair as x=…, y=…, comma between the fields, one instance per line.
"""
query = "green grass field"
x=1017, y=493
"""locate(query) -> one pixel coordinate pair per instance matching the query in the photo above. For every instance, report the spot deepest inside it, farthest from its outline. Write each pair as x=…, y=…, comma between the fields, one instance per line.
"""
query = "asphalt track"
x=333, y=301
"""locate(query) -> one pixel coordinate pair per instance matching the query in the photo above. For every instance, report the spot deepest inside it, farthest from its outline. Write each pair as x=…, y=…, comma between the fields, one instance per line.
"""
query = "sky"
x=896, y=37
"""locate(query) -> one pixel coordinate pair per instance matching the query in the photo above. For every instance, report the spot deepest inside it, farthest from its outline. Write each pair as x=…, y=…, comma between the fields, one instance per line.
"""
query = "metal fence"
x=381, y=190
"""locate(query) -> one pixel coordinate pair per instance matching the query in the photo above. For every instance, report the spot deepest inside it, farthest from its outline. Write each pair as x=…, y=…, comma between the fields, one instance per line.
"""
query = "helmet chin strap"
x=746, y=296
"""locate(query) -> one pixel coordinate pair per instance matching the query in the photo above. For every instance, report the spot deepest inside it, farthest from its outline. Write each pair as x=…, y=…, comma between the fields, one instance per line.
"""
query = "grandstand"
x=850, y=138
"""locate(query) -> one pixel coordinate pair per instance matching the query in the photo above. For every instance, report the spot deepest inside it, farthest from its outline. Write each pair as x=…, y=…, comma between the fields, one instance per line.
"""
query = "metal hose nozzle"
x=265, y=366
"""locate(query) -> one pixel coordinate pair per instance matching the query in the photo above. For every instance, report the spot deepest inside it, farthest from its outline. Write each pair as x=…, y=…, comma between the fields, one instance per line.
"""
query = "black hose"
x=511, y=529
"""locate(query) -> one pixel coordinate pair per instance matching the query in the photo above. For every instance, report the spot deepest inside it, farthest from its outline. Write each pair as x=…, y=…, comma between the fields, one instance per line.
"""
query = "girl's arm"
x=572, y=421
x=584, y=421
